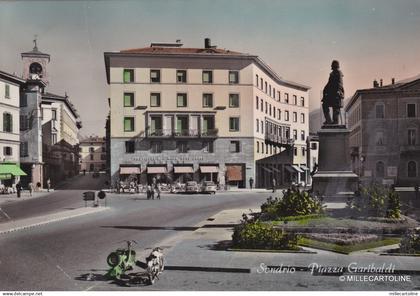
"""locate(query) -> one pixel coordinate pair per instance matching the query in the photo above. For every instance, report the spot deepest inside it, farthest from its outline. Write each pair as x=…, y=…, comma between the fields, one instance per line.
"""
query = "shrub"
x=410, y=243
x=293, y=203
x=254, y=234
x=376, y=200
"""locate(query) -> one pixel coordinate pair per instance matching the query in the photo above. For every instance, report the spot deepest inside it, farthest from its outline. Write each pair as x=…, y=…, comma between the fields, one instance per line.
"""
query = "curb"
x=58, y=219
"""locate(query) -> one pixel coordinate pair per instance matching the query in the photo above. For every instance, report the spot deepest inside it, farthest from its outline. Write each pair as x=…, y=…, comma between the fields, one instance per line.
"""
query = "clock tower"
x=35, y=64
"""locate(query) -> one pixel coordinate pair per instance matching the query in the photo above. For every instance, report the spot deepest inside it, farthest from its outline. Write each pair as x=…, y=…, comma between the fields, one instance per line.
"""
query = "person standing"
x=158, y=191
x=18, y=189
x=48, y=185
x=30, y=188
x=274, y=183
x=251, y=182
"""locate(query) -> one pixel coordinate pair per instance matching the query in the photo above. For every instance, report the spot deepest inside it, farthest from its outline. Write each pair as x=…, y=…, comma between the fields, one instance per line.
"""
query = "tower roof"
x=35, y=52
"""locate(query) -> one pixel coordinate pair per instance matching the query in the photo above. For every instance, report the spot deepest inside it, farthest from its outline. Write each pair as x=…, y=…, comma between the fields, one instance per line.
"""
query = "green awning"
x=11, y=169
x=5, y=176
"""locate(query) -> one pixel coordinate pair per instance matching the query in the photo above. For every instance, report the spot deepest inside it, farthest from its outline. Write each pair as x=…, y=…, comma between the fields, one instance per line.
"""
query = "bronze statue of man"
x=333, y=94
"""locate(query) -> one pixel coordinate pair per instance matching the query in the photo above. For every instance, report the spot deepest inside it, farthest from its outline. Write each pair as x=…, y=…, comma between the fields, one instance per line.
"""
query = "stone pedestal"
x=334, y=178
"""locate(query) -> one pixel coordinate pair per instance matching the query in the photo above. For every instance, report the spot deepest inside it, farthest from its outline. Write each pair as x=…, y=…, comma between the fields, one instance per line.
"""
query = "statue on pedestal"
x=333, y=94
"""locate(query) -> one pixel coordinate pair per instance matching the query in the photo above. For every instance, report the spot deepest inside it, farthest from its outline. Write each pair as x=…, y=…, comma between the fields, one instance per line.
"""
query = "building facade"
x=202, y=114
x=9, y=133
x=93, y=154
x=385, y=130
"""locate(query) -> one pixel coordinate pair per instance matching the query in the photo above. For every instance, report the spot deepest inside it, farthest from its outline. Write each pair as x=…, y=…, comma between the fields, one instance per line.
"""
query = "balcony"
x=182, y=133
x=278, y=140
x=410, y=149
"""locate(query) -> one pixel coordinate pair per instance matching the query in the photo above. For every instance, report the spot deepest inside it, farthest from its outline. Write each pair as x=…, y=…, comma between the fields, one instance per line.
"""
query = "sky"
x=372, y=39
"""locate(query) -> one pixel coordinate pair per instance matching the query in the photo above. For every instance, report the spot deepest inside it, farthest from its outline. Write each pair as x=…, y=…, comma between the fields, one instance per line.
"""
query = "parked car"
x=192, y=187
x=209, y=187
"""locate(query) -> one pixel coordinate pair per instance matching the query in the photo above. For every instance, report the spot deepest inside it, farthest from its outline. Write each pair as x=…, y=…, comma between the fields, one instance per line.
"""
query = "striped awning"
x=183, y=170
x=290, y=169
x=129, y=170
x=209, y=169
x=156, y=170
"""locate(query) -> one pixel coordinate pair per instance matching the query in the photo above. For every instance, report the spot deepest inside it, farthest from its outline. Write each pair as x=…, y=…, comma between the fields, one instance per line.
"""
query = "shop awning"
x=234, y=172
x=209, y=169
x=304, y=167
x=297, y=168
x=129, y=170
x=183, y=170
x=11, y=169
x=156, y=170
x=290, y=169
x=266, y=169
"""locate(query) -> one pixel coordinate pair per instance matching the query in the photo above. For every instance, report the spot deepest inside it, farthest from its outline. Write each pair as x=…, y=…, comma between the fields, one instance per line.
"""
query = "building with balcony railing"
x=205, y=114
x=384, y=124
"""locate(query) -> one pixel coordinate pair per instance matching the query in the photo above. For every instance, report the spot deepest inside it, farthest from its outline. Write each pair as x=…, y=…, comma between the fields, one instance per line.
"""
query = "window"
x=256, y=102
x=91, y=149
x=262, y=147
x=258, y=147
x=258, y=125
x=379, y=138
x=294, y=117
x=295, y=134
x=286, y=98
x=274, y=93
x=256, y=80
x=266, y=107
x=208, y=147
x=207, y=76
x=380, y=111
x=261, y=83
x=24, y=149
x=7, y=91
x=207, y=100
x=302, y=118
x=128, y=124
x=411, y=110
x=302, y=101
x=156, y=125
x=269, y=109
x=23, y=122
x=103, y=156
x=234, y=124
x=7, y=150
x=155, y=147
x=155, y=76
x=155, y=99
x=262, y=127
x=411, y=136
x=181, y=100
x=380, y=169
x=269, y=90
x=274, y=112
x=233, y=77
x=271, y=149
x=286, y=115
x=128, y=75
x=7, y=122
x=295, y=151
x=233, y=100
x=181, y=76
x=278, y=114
x=294, y=100
x=278, y=96
x=128, y=99
x=287, y=132
x=23, y=100
x=412, y=169
x=53, y=114
x=314, y=146
x=262, y=105
x=91, y=157
x=234, y=147
x=265, y=84
x=303, y=151
x=302, y=135
x=54, y=139
x=182, y=146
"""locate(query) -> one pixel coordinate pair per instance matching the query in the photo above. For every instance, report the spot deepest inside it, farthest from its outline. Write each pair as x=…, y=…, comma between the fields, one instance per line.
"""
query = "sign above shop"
x=165, y=158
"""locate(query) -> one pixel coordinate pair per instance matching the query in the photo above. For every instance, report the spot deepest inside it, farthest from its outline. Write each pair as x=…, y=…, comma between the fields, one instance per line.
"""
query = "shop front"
x=209, y=172
x=235, y=175
x=183, y=173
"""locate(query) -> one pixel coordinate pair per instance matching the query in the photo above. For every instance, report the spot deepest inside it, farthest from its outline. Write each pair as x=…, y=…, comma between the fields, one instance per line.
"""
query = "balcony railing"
x=279, y=140
x=166, y=133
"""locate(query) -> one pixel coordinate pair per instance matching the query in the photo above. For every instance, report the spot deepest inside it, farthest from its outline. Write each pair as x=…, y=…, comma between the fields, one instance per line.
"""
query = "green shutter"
x=127, y=76
x=128, y=100
x=7, y=91
x=128, y=124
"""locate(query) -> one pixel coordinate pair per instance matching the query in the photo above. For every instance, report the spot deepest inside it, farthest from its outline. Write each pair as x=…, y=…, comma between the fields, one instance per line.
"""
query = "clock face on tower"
x=35, y=68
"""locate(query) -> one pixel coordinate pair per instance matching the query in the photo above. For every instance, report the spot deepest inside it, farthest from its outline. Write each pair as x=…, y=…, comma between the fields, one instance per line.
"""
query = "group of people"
x=151, y=190
x=31, y=187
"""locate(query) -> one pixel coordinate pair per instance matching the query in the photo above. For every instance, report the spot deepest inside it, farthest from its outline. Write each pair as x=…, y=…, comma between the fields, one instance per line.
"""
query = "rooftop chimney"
x=393, y=81
x=207, y=43
x=375, y=83
x=381, y=82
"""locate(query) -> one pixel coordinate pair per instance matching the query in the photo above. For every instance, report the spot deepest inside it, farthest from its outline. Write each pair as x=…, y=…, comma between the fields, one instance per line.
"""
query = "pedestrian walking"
x=158, y=191
x=30, y=188
x=274, y=184
x=251, y=182
x=148, y=191
x=152, y=192
x=48, y=185
x=18, y=189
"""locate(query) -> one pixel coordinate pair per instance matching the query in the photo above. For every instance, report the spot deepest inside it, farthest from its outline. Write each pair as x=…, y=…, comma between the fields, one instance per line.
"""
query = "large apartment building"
x=205, y=114
x=93, y=154
x=385, y=122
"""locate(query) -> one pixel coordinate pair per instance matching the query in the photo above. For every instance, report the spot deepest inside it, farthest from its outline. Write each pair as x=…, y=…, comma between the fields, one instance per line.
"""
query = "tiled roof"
x=179, y=50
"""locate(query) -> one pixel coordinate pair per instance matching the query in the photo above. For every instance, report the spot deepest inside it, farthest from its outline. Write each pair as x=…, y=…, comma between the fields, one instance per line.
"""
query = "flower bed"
x=342, y=238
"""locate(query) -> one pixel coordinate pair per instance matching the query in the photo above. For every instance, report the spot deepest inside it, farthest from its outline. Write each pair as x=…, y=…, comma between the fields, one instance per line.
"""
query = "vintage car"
x=192, y=187
x=209, y=187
